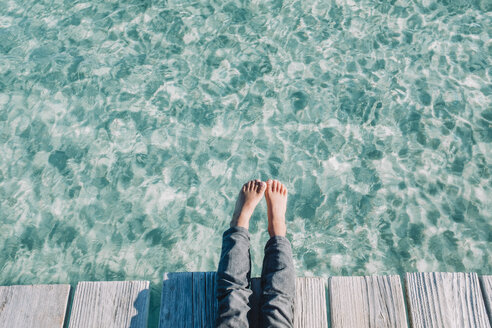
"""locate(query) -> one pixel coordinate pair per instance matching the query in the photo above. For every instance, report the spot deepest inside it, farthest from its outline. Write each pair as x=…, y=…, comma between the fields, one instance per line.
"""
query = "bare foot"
x=249, y=196
x=276, y=199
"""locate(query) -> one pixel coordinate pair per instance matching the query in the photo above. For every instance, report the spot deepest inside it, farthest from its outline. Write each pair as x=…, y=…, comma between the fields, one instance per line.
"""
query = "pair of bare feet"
x=276, y=199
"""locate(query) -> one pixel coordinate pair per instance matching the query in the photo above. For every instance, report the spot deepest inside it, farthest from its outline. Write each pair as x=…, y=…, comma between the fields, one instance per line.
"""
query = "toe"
x=262, y=187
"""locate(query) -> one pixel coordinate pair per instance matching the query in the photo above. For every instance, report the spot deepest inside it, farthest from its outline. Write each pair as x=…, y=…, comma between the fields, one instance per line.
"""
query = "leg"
x=278, y=274
x=234, y=272
x=233, y=279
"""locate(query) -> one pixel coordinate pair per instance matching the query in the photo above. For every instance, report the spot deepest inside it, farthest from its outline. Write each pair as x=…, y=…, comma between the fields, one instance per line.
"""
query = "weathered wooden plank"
x=367, y=301
x=444, y=300
x=42, y=306
x=254, y=301
x=110, y=304
x=486, y=284
x=177, y=300
x=204, y=300
x=310, y=303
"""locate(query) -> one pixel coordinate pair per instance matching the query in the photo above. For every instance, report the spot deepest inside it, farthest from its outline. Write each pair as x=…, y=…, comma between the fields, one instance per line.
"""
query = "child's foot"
x=249, y=196
x=276, y=199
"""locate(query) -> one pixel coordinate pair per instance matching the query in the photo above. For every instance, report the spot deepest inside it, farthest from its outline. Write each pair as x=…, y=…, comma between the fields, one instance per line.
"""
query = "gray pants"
x=233, y=281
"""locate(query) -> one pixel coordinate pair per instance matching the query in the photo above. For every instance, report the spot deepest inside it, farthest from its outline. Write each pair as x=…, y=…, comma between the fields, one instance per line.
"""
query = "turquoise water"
x=127, y=129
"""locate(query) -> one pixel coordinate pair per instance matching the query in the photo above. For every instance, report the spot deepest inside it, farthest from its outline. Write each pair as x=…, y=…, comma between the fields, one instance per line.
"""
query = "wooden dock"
x=432, y=299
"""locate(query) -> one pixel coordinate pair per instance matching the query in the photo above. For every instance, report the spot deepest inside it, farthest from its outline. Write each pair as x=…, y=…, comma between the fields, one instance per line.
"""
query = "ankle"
x=277, y=229
x=243, y=221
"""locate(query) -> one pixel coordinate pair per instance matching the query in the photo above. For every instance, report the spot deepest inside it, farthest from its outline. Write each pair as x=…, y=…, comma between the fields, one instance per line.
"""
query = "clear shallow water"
x=126, y=130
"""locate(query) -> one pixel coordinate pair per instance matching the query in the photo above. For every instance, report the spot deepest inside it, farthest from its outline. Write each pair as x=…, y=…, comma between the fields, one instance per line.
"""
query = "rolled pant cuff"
x=277, y=241
x=236, y=231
